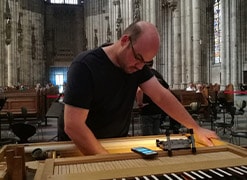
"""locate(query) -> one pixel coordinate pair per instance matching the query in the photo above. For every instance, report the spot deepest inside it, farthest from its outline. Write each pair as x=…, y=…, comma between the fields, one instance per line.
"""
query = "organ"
x=66, y=162
x=221, y=161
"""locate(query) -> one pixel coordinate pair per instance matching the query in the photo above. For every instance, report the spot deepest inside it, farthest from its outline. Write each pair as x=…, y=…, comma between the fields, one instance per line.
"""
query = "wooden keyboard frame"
x=46, y=169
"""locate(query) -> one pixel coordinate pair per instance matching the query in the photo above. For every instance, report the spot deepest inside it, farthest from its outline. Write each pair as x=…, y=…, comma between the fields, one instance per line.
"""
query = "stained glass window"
x=63, y=1
x=217, y=31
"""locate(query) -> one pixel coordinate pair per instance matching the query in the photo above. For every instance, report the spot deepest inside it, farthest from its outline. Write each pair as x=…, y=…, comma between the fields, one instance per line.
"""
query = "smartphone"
x=145, y=152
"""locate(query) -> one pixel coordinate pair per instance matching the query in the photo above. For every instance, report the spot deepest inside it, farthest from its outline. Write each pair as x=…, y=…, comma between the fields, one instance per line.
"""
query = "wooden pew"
x=187, y=97
x=18, y=99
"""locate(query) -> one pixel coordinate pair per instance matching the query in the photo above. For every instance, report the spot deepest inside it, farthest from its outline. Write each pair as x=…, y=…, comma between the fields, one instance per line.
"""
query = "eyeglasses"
x=137, y=56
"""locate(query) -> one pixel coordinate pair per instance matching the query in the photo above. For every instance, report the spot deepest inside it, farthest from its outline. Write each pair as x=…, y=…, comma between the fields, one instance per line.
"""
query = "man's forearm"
x=86, y=142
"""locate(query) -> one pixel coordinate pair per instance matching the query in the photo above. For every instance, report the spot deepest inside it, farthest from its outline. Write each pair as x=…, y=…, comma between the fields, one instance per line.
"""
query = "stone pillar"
x=183, y=43
x=2, y=42
x=234, y=61
x=148, y=10
x=169, y=47
x=8, y=38
x=189, y=36
x=153, y=11
x=177, y=47
x=9, y=65
x=162, y=21
x=197, y=65
x=223, y=42
x=227, y=44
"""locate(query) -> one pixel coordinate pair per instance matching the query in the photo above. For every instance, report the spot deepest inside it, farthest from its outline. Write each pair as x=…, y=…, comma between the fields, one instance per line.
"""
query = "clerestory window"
x=64, y=1
x=217, y=31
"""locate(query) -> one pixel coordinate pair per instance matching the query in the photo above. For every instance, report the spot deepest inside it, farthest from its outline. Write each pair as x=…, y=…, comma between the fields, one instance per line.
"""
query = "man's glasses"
x=137, y=56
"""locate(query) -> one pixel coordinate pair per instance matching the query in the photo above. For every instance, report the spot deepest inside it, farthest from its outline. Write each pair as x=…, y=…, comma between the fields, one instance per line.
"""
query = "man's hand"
x=204, y=136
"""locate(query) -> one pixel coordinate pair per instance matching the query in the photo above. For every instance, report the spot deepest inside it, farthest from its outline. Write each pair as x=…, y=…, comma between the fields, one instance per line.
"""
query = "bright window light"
x=64, y=1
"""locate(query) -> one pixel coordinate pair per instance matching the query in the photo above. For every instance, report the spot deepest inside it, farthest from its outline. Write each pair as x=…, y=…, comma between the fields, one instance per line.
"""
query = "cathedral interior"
x=202, y=41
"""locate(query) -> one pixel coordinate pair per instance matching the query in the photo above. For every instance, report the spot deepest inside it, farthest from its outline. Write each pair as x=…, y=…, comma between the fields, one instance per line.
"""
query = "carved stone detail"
x=95, y=38
x=108, y=31
x=137, y=16
x=119, y=19
x=170, y=4
x=7, y=16
x=33, y=44
x=85, y=41
x=20, y=34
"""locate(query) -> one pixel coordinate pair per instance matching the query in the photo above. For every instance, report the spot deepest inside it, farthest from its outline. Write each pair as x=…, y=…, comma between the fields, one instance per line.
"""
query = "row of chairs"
x=24, y=126
x=227, y=123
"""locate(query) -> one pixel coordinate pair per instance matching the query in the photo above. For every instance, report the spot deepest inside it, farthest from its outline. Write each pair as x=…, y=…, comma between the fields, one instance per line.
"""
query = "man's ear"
x=124, y=38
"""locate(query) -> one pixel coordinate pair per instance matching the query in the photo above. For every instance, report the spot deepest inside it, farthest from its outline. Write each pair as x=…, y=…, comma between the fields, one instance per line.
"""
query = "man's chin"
x=131, y=70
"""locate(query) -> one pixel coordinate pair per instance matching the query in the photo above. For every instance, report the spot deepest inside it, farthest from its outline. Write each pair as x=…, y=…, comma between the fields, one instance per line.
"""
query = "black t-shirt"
x=95, y=83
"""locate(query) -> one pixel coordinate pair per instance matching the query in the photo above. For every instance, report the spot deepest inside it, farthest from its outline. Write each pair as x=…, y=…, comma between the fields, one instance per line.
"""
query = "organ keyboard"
x=222, y=162
x=231, y=173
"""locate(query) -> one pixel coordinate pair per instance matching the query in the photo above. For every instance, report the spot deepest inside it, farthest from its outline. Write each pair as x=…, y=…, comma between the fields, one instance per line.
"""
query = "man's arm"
x=139, y=97
x=169, y=103
x=78, y=131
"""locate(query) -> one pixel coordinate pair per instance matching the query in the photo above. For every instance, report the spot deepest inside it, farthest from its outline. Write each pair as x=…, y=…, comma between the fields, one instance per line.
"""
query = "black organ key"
x=187, y=175
x=244, y=167
x=204, y=174
x=241, y=169
x=227, y=173
x=176, y=176
x=231, y=173
x=197, y=175
x=238, y=173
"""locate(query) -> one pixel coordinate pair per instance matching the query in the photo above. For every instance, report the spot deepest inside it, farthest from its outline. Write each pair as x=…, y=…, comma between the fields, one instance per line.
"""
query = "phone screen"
x=144, y=151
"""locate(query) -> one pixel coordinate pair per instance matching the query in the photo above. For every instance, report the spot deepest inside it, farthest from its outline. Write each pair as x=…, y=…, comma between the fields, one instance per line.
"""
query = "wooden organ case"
x=225, y=161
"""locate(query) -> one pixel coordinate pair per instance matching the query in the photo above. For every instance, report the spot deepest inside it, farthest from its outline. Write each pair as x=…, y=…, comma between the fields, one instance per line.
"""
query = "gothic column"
x=162, y=25
x=177, y=47
x=234, y=61
x=8, y=38
x=188, y=35
x=183, y=43
x=169, y=47
x=2, y=40
x=197, y=66
x=228, y=65
x=242, y=38
x=149, y=10
x=222, y=25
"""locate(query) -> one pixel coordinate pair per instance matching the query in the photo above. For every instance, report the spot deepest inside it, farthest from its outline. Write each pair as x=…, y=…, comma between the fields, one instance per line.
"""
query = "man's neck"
x=110, y=52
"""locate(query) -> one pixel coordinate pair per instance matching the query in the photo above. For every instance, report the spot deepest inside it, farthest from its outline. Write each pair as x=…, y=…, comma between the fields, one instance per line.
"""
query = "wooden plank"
x=45, y=171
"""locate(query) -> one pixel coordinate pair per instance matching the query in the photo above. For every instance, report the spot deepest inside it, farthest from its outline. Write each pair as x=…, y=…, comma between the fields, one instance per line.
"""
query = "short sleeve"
x=78, y=90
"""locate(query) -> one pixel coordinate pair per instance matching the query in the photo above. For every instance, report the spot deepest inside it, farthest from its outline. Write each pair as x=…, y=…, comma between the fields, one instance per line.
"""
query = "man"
x=102, y=85
x=151, y=114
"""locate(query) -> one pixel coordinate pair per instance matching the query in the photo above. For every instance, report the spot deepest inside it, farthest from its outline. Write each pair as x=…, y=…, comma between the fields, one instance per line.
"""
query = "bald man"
x=102, y=85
